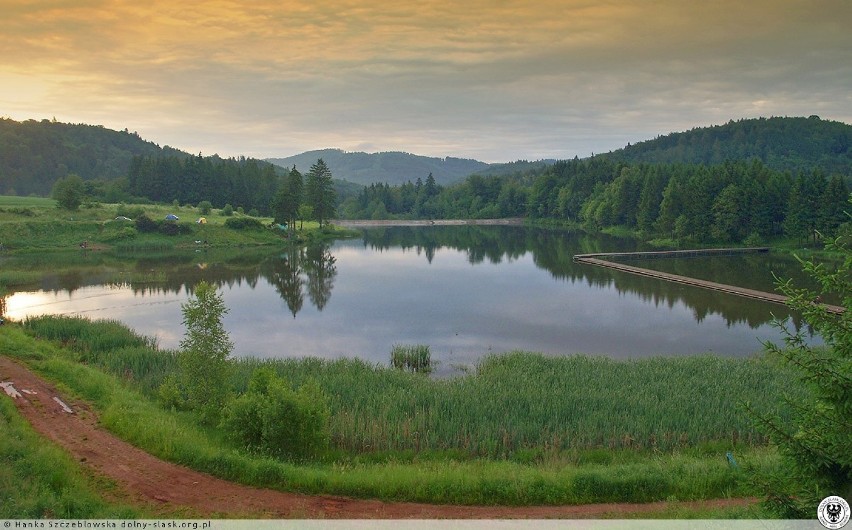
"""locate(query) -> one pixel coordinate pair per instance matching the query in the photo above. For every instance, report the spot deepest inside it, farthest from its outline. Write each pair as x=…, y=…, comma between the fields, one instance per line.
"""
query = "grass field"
x=13, y=201
x=36, y=224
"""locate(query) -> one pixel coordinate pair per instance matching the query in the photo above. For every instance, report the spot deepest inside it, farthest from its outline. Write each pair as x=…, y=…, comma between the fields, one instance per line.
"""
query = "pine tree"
x=285, y=205
x=320, y=192
x=815, y=445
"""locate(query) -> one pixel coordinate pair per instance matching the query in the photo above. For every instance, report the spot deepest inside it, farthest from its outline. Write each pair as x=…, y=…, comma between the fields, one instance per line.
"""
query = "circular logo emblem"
x=833, y=512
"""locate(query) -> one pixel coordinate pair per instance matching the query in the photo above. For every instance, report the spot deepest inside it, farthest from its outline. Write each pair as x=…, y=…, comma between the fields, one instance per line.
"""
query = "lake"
x=463, y=290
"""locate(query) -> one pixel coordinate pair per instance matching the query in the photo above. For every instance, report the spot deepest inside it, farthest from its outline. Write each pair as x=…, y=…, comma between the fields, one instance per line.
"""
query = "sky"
x=493, y=80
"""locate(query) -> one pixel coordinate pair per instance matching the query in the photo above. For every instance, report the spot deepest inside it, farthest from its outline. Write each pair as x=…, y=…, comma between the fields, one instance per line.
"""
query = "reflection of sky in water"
x=397, y=297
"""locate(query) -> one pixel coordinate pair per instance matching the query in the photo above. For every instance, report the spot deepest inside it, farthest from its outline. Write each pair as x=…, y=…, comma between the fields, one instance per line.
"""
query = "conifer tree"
x=815, y=445
x=319, y=191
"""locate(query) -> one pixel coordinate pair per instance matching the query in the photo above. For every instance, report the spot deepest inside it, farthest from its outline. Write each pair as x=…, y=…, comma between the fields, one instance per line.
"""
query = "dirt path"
x=168, y=488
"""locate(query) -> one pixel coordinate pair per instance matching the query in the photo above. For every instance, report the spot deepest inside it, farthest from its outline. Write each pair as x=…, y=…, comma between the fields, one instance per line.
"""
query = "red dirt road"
x=168, y=488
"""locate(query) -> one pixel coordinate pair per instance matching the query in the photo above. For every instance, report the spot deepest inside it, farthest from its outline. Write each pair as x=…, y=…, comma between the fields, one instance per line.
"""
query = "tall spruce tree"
x=815, y=444
x=285, y=205
x=320, y=192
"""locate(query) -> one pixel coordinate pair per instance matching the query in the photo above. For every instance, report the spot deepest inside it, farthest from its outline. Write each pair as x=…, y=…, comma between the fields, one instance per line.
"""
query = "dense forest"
x=728, y=202
x=746, y=180
x=35, y=154
x=244, y=182
x=786, y=144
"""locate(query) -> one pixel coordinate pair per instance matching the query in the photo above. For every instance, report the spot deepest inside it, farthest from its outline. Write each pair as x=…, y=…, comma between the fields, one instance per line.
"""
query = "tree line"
x=729, y=202
x=211, y=182
x=248, y=183
x=240, y=182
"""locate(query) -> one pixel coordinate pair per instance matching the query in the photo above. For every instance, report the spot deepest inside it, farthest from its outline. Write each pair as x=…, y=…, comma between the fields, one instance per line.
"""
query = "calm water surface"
x=465, y=291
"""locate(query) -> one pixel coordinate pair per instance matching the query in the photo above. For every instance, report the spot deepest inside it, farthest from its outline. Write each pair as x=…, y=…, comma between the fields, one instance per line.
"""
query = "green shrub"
x=243, y=223
x=203, y=364
x=123, y=234
x=25, y=212
x=275, y=419
x=227, y=210
x=205, y=207
x=131, y=212
x=146, y=224
x=172, y=228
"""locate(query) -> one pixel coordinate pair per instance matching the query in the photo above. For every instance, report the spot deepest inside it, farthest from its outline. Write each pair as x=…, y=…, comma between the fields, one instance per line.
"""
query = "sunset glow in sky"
x=492, y=80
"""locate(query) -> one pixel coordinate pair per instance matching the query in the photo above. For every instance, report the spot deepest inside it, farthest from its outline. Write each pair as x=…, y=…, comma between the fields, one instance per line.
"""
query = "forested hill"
x=785, y=144
x=34, y=154
x=391, y=167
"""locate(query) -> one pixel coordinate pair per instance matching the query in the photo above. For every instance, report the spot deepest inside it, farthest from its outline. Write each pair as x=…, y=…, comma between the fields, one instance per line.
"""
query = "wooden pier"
x=596, y=259
x=699, y=252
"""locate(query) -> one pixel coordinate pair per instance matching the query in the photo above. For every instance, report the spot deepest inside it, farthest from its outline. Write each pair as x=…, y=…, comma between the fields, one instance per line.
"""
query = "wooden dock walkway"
x=698, y=252
x=594, y=259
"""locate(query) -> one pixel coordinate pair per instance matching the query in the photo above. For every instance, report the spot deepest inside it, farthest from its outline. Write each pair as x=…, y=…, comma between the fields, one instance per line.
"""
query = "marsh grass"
x=110, y=346
x=14, y=278
x=528, y=407
x=521, y=407
x=413, y=358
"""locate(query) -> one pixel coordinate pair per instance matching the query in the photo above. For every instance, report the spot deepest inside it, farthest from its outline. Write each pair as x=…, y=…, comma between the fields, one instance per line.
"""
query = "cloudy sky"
x=495, y=80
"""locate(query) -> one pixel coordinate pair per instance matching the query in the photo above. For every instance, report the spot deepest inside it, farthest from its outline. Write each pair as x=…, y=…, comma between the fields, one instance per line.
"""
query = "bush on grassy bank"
x=275, y=419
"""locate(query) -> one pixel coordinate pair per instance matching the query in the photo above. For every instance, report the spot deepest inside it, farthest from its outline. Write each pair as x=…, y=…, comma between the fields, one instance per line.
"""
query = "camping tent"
x=171, y=217
x=202, y=221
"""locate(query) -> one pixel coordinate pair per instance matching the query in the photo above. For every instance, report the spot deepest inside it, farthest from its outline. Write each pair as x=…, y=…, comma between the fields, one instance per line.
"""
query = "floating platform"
x=601, y=260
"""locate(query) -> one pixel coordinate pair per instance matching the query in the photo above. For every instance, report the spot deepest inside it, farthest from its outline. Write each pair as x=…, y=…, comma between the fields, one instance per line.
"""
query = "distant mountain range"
x=34, y=154
x=390, y=167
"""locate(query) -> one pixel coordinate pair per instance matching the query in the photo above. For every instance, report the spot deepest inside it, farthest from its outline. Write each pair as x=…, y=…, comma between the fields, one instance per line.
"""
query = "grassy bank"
x=531, y=472
x=35, y=224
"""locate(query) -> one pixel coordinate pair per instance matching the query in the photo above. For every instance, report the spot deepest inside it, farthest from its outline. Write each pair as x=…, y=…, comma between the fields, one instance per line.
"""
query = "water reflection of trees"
x=298, y=273
x=292, y=272
x=553, y=250
x=312, y=267
x=285, y=273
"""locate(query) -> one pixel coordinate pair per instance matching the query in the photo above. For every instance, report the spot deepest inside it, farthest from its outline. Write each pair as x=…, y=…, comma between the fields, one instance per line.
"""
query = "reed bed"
x=522, y=406
x=528, y=404
x=110, y=346
x=413, y=358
